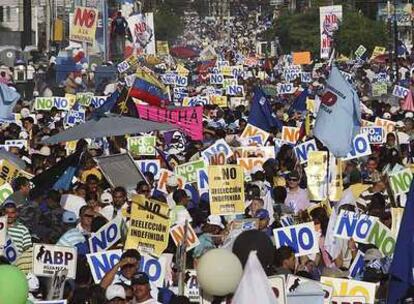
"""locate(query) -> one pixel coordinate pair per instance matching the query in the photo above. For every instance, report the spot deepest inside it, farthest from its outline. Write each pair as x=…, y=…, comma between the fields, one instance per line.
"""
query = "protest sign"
x=400, y=91
x=149, y=228
x=382, y=237
x=335, y=189
x=330, y=18
x=202, y=181
x=290, y=134
x=396, y=216
x=191, y=288
x=84, y=98
x=149, y=165
x=10, y=251
x=177, y=234
x=291, y=73
x=317, y=175
x=169, y=78
x=98, y=101
x=8, y=172
x=293, y=282
x=375, y=134
x=379, y=89
x=356, y=226
x=249, y=163
x=235, y=90
x=5, y=190
x=74, y=117
x=51, y=302
x=49, y=258
x=181, y=81
x=388, y=125
x=348, y=300
x=302, y=150
x=163, y=48
x=360, y=147
x=102, y=262
x=357, y=266
x=306, y=77
x=141, y=145
x=3, y=231
x=286, y=220
x=251, y=130
x=259, y=152
x=20, y=143
x=378, y=50
x=190, y=120
x=270, y=90
x=189, y=170
x=142, y=31
x=286, y=88
x=220, y=146
x=128, y=63
x=400, y=181
x=302, y=238
x=218, y=100
x=47, y=103
x=301, y=57
x=106, y=236
x=162, y=182
x=226, y=189
x=344, y=287
x=57, y=285
x=277, y=282
x=83, y=25
x=227, y=82
x=73, y=203
x=216, y=79
x=360, y=51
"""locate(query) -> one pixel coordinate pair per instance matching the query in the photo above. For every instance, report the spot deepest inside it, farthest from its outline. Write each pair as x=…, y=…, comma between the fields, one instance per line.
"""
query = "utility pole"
x=27, y=24
x=389, y=25
x=397, y=76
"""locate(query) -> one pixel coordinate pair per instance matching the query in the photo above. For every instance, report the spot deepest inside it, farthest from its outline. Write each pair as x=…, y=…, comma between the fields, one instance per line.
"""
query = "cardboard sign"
x=293, y=282
x=306, y=77
x=388, y=125
x=102, y=262
x=216, y=79
x=181, y=81
x=73, y=203
x=400, y=182
x=248, y=164
x=47, y=103
x=8, y=172
x=75, y=117
x=83, y=25
x=149, y=227
x=251, y=130
x=375, y=134
x=162, y=182
x=229, y=82
x=302, y=238
x=360, y=147
x=189, y=170
x=98, y=101
x=191, y=288
x=57, y=285
x=226, y=189
x=5, y=191
x=286, y=88
x=357, y=265
x=195, y=101
x=49, y=258
x=220, y=146
x=278, y=285
x=302, y=150
x=202, y=181
x=3, y=231
x=382, y=238
x=360, y=51
x=235, y=90
x=218, y=100
x=396, y=216
x=259, y=152
x=378, y=50
x=344, y=287
x=131, y=61
x=84, y=98
x=351, y=225
x=379, y=89
x=301, y=57
x=149, y=165
x=317, y=176
x=348, y=300
x=10, y=251
x=400, y=91
x=106, y=236
x=290, y=134
x=141, y=145
x=177, y=234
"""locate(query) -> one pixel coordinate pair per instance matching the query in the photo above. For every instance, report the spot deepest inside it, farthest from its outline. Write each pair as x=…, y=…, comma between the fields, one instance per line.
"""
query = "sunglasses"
x=293, y=180
x=88, y=215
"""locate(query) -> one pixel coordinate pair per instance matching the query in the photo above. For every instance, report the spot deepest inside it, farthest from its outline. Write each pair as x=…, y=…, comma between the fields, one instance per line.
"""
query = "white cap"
x=23, y=135
x=215, y=220
x=25, y=112
x=172, y=181
x=33, y=282
x=394, y=109
x=409, y=115
x=45, y=151
x=400, y=124
x=386, y=115
x=78, y=80
x=115, y=291
x=256, y=169
x=106, y=198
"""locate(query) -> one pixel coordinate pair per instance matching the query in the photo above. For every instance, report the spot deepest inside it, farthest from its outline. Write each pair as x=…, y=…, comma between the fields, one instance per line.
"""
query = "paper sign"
x=218, y=100
x=73, y=203
x=290, y=134
x=351, y=225
x=301, y=57
x=10, y=251
x=189, y=170
x=162, y=182
x=360, y=147
x=191, y=288
x=249, y=163
x=375, y=134
x=177, y=234
x=202, y=181
x=84, y=98
x=3, y=231
x=278, y=285
x=293, y=282
x=106, y=236
x=344, y=287
x=348, y=300
x=5, y=191
x=49, y=258
x=235, y=90
x=259, y=152
x=98, y=101
x=286, y=88
x=83, y=25
x=400, y=91
x=360, y=51
x=317, y=176
x=382, y=237
x=141, y=145
x=379, y=89
x=378, y=50
x=302, y=150
x=51, y=302
x=220, y=146
x=8, y=172
x=20, y=143
x=226, y=189
x=251, y=130
x=127, y=63
x=302, y=238
x=400, y=181
x=57, y=285
x=388, y=125
x=47, y=103
x=357, y=266
x=149, y=227
x=149, y=165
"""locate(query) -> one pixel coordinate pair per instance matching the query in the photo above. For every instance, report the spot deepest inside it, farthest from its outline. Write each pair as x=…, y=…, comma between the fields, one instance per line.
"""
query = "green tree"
x=168, y=25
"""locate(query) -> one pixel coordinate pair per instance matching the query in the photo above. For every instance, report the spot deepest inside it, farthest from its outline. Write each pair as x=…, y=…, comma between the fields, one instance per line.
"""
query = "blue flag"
x=299, y=104
x=261, y=112
x=402, y=266
x=339, y=116
x=8, y=99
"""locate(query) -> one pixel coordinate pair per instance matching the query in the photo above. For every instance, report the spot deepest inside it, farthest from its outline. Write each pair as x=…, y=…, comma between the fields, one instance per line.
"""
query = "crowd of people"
x=276, y=192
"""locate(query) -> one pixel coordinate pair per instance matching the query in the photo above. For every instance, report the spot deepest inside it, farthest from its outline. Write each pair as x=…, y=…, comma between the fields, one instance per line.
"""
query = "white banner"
x=330, y=18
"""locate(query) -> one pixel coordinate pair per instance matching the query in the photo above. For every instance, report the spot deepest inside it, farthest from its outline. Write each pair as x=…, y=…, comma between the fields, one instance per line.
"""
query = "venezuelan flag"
x=148, y=88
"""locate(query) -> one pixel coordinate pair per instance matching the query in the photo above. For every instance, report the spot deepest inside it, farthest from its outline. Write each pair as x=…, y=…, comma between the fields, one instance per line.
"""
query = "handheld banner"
x=189, y=170
x=344, y=287
x=107, y=236
x=5, y=191
x=317, y=175
x=290, y=134
x=83, y=25
x=302, y=150
x=400, y=181
x=375, y=134
x=388, y=125
x=400, y=91
x=360, y=147
x=49, y=258
x=351, y=225
x=162, y=182
x=251, y=130
x=302, y=238
x=149, y=165
x=226, y=189
x=248, y=163
x=219, y=146
x=149, y=228
x=177, y=234
x=141, y=145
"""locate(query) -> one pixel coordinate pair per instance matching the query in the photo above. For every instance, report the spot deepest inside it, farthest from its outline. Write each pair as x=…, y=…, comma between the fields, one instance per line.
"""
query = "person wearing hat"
x=211, y=237
x=115, y=294
x=179, y=214
x=142, y=289
x=172, y=185
x=297, y=198
x=21, y=188
x=263, y=216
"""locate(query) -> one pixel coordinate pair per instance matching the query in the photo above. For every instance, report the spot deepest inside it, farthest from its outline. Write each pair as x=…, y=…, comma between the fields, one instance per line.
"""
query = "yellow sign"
x=8, y=172
x=150, y=226
x=335, y=180
x=349, y=288
x=388, y=125
x=226, y=189
x=181, y=70
x=378, y=50
x=58, y=30
x=218, y=100
x=71, y=99
x=251, y=130
x=162, y=48
x=290, y=134
x=83, y=25
x=227, y=71
x=316, y=173
x=5, y=191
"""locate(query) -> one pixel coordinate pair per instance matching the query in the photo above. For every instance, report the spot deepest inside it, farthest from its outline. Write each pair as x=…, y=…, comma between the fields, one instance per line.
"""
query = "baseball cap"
x=262, y=214
x=294, y=175
x=106, y=198
x=409, y=115
x=141, y=278
x=386, y=115
x=8, y=203
x=215, y=220
x=115, y=291
x=400, y=124
x=172, y=181
x=69, y=217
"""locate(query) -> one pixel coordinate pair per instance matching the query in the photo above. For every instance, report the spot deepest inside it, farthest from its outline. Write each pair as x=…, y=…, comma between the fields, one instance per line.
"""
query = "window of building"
x=8, y=14
x=1, y=14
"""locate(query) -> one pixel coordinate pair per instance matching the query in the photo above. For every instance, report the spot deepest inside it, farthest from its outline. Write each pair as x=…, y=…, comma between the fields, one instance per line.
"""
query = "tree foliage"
x=300, y=31
x=168, y=24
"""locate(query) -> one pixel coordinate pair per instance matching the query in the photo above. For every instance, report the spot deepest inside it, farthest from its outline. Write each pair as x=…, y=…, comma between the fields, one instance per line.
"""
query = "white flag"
x=254, y=275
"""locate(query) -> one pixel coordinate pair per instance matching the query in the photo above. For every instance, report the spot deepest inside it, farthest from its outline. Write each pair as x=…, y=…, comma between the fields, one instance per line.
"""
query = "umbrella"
x=108, y=126
x=184, y=52
x=13, y=158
